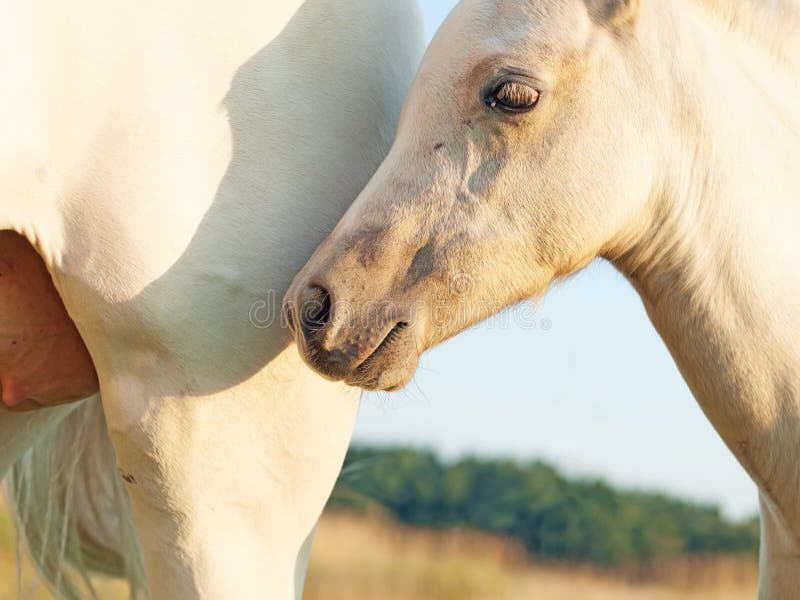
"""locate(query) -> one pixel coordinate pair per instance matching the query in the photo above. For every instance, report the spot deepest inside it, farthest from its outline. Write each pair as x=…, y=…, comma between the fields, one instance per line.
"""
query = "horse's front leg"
x=227, y=487
x=780, y=557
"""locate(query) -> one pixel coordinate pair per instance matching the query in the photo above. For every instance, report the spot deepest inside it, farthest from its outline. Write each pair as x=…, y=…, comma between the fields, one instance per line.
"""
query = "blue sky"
x=590, y=388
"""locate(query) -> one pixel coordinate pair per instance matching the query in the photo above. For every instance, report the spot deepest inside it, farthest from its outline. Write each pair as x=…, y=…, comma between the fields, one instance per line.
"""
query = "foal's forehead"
x=515, y=27
x=482, y=38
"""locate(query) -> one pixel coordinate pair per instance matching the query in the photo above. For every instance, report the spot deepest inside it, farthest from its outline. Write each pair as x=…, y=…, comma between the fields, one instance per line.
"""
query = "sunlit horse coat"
x=173, y=164
x=662, y=135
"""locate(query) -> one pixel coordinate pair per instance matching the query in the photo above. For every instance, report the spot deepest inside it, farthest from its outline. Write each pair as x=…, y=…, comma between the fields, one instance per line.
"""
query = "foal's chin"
x=386, y=370
x=390, y=368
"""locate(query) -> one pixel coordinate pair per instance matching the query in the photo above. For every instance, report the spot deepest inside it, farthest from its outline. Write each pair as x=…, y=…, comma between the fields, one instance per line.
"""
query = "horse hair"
x=72, y=510
x=775, y=24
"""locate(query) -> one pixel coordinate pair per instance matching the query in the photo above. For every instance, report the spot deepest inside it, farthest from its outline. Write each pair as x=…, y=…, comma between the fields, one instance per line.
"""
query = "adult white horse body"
x=173, y=164
x=662, y=135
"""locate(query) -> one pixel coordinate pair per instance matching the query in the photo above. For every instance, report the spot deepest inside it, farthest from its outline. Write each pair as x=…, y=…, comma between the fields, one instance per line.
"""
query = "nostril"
x=315, y=312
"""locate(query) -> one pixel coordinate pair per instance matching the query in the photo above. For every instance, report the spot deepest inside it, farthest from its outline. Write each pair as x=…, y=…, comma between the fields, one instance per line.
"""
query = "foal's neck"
x=718, y=263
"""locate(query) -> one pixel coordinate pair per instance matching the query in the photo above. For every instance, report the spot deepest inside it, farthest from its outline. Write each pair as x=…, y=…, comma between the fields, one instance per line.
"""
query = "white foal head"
x=520, y=157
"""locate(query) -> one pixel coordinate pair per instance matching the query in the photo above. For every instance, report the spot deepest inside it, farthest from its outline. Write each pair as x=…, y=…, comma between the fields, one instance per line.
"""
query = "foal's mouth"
x=385, y=344
x=369, y=374
x=380, y=355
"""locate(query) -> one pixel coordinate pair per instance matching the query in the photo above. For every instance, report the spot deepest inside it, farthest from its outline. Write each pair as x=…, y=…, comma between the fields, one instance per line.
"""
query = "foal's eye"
x=514, y=96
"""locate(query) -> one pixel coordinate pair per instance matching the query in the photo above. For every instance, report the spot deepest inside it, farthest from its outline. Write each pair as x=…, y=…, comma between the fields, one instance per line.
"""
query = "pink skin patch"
x=14, y=392
x=43, y=361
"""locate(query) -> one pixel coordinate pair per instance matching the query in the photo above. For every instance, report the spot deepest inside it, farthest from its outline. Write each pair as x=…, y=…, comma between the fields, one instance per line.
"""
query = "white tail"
x=72, y=509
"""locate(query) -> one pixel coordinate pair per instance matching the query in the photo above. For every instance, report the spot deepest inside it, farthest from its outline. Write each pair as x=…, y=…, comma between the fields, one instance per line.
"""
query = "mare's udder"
x=43, y=360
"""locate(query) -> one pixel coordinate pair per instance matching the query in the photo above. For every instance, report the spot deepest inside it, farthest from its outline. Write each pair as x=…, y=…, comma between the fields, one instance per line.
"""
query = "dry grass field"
x=369, y=559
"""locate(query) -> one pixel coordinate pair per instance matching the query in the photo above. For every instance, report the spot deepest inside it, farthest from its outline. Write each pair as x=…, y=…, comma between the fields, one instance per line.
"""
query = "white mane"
x=774, y=24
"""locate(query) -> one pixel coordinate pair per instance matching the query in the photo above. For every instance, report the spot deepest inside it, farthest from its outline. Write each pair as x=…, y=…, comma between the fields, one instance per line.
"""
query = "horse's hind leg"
x=780, y=557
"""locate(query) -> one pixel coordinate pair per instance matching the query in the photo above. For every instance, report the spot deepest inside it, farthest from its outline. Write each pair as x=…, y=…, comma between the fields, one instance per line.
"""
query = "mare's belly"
x=43, y=360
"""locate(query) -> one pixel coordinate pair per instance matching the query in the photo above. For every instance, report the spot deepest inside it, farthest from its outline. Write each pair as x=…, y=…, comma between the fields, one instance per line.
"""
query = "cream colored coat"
x=662, y=135
x=175, y=163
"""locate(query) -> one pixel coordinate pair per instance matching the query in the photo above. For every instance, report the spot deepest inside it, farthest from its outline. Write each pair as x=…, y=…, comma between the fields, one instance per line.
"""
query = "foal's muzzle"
x=365, y=344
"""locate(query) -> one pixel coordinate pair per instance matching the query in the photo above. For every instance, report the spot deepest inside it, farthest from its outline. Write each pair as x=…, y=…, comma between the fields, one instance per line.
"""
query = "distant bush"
x=554, y=517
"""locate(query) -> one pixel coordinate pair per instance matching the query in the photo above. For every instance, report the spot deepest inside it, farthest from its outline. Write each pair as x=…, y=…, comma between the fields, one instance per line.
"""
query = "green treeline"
x=554, y=517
